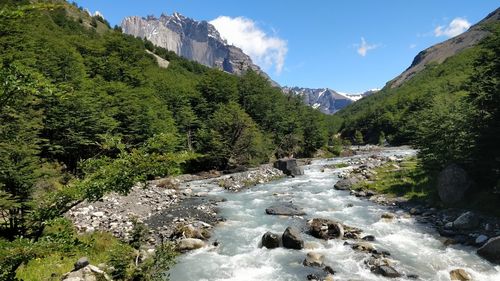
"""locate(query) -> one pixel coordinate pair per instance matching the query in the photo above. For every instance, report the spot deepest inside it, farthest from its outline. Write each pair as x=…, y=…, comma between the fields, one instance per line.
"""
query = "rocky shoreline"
x=168, y=207
x=455, y=225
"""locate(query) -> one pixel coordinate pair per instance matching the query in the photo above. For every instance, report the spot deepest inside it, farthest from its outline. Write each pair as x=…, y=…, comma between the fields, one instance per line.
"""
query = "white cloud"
x=264, y=49
x=364, y=47
x=455, y=27
x=412, y=46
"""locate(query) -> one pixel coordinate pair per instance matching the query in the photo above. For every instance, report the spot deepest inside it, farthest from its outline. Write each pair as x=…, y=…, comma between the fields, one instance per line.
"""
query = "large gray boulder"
x=452, y=183
x=289, y=166
x=270, y=240
x=291, y=239
x=285, y=209
x=467, y=220
x=491, y=250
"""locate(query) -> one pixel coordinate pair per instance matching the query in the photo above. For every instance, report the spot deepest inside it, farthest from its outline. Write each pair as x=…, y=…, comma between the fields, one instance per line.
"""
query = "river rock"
x=460, y=275
x=289, y=166
x=363, y=247
x=452, y=183
x=344, y=184
x=291, y=239
x=325, y=229
x=81, y=263
x=388, y=216
x=285, y=209
x=189, y=244
x=86, y=273
x=270, y=240
x=313, y=259
x=481, y=239
x=467, y=220
x=370, y=238
x=491, y=250
x=386, y=270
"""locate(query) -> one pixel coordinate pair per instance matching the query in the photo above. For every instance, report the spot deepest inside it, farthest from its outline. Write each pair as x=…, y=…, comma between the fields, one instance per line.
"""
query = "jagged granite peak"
x=325, y=100
x=195, y=40
x=440, y=52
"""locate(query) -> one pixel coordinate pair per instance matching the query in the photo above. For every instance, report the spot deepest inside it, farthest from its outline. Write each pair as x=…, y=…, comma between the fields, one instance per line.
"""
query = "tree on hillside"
x=358, y=138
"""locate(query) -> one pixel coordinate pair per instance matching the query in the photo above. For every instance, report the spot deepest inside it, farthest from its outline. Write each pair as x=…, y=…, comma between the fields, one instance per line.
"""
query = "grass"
x=404, y=179
x=97, y=247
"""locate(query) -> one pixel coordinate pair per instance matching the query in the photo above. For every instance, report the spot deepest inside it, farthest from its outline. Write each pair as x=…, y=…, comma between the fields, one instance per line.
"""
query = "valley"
x=163, y=147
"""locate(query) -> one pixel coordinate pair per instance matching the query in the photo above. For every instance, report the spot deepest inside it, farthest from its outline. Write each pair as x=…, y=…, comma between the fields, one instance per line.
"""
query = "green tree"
x=358, y=138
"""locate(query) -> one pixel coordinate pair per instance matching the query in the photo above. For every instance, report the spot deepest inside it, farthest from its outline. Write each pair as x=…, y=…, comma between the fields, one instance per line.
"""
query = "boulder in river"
x=491, y=250
x=313, y=259
x=386, y=270
x=363, y=247
x=285, y=209
x=270, y=240
x=467, y=220
x=291, y=239
x=325, y=229
x=452, y=183
x=344, y=184
x=189, y=244
x=460, y=275
x=289, y=166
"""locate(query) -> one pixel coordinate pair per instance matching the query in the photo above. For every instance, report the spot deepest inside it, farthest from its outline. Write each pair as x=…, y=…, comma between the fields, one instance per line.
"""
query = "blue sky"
x=319, y=44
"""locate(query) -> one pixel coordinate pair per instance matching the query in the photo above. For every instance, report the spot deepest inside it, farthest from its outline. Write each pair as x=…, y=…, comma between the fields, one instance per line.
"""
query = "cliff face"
x=196, y=40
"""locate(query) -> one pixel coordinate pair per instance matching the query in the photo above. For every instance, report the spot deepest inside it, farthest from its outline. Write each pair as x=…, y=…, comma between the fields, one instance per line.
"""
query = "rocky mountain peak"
x=196, y=40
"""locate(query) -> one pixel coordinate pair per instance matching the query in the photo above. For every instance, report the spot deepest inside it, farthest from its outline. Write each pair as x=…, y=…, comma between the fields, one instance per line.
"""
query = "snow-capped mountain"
x=326, y=100
x=196, y=40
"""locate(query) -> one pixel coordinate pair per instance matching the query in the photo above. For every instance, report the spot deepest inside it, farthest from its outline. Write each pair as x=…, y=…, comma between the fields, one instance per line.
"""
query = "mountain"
x=440, y=52
x=326, y=100
x=195, y=40
x=441, y=74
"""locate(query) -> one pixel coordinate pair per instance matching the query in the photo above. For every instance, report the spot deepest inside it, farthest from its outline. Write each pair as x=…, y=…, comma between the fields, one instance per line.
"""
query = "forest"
x=86, y=110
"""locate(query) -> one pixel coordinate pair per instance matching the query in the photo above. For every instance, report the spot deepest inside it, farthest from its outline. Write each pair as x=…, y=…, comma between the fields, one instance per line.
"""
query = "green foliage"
x=406, y=179
x=156, y=267
x=85, y=110
x=358, y=138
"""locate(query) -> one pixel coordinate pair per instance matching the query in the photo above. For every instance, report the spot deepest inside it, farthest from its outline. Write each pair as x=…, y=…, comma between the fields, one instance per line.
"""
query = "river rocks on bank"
x=189, y=244
x=452, y=183
x=292, y=239
x=239, y=181
x=285, y=209
x=467, y=220
x=289, y=166
x=460, y=275
x=491, y=250
x=197, y=229
x=84, y=271
x=313, y=259
x=345, y=184
x=270, y=240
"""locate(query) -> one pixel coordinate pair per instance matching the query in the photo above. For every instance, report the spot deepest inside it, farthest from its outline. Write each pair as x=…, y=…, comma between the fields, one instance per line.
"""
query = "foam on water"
x=414, y=247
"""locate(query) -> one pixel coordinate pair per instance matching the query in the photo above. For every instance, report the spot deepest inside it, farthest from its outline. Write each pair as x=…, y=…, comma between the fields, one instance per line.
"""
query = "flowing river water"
x=415, y=247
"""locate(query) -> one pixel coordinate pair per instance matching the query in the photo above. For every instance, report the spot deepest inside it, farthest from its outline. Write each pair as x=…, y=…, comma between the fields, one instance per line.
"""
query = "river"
x=415, y=247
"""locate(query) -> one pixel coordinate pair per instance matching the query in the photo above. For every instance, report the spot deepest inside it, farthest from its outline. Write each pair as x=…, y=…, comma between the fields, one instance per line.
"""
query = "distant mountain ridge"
x=325, y=100
x=195, y=40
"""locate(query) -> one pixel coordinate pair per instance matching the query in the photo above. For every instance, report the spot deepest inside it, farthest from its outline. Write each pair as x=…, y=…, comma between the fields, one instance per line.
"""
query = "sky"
x=348, y=46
